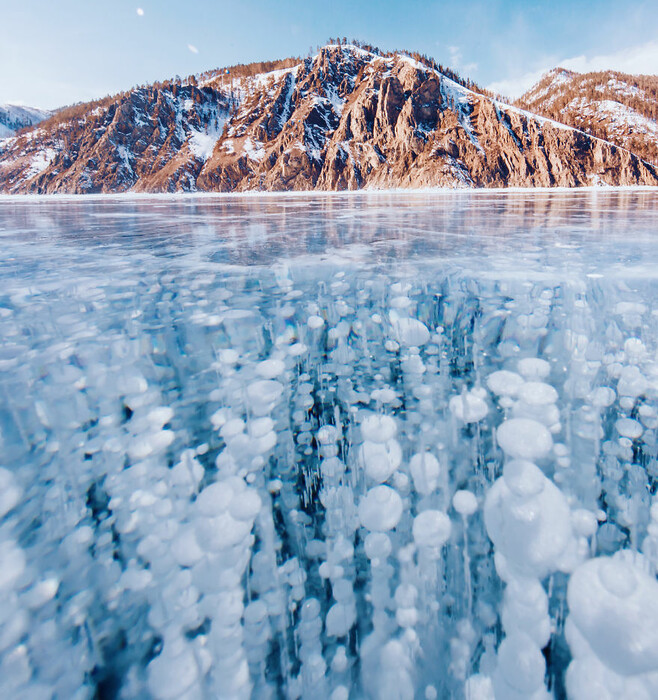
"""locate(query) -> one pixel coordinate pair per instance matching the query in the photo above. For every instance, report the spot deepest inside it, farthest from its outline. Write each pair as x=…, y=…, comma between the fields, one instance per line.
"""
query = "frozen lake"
x=333, y=446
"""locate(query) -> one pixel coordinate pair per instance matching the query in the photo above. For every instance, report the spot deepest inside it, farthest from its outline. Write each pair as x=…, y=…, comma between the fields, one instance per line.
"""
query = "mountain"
x=617, y=107
x=16, y=117
x=348, y=118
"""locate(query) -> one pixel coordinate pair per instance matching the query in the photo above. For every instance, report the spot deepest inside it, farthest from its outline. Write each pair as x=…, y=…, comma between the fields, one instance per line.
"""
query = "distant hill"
x=350, y=117
x=13, y=118
x=617, y=107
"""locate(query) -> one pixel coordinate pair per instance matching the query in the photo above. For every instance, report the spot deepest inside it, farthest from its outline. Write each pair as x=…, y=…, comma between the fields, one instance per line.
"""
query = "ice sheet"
x=329, y=446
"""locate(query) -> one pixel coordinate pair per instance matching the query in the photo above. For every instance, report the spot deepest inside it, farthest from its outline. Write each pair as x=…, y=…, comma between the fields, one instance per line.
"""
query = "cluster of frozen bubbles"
x=328, y=483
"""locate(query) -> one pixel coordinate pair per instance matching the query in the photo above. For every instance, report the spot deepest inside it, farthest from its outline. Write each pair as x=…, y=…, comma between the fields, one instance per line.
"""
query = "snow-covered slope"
x=16, y=117
x=347, y=118
x=614, y=106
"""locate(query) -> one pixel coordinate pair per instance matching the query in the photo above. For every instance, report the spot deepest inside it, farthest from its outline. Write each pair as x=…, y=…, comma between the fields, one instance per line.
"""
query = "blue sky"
x=55, y=52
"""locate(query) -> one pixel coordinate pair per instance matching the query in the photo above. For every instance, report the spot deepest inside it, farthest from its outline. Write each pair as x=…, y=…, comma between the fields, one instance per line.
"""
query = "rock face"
x=345, y=119
x=617, y=107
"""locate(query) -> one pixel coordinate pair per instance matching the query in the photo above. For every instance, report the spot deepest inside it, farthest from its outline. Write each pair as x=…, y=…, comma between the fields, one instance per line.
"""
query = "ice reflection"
x=251, y=230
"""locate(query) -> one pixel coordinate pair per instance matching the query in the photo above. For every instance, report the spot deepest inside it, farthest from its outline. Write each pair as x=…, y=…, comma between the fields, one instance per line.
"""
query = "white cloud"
x=456, y=62
x=192, y=48
x=636, y=59
x=515, y=87
x=140, y=12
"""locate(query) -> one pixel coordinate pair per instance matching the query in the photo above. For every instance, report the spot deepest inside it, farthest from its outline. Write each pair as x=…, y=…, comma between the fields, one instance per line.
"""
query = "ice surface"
x=362, y=446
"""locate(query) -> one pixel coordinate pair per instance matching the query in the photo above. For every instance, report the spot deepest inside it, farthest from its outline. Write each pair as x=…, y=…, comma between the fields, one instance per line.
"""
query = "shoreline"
x=400, y=191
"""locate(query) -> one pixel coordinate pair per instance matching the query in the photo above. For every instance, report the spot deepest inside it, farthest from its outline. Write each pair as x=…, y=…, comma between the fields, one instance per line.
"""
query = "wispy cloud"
x=457, y=62
x=192, y=48
x=635, y=59
x=515, y=87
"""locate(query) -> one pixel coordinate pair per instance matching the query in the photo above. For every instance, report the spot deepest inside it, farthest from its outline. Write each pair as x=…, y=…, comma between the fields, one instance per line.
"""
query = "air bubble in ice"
x=534, y=368
x=431, y=529
x=537, y=393
x=380, y=460
x=410, y=332
x=464, y=502
x=269, y=369
x=505, y=383
x=380, y=509
x=521, y=669
x=469, y=407
x=612, y=628
x=524, y=438
x=378, y=545
x=315, y=322
x=528, y=519
x=376, y=428
x=10, y=491
x=425, y=471
x=627, y=427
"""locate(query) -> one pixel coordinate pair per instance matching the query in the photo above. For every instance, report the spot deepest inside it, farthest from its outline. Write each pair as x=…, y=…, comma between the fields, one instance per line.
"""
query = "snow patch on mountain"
x=202, y=141
x=254, y=149
x=125, y=155
x=287, y=101
x=41, y=161
x=16, y=117
x=457, y=97
x=621, y=88
x=620, y=117
x=274, y=76
x=335, y=100
x=412, y=62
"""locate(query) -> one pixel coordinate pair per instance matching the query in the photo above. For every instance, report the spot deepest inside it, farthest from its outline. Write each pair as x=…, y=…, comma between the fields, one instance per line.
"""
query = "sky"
x=57, y=52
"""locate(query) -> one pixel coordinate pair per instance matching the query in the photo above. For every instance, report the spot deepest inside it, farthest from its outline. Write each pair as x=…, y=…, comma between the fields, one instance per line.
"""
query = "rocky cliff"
x=344, y=119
